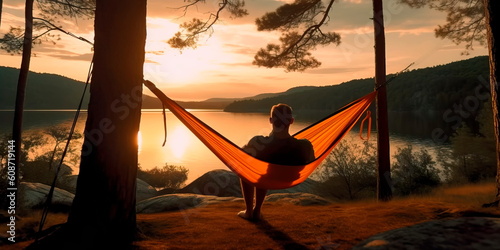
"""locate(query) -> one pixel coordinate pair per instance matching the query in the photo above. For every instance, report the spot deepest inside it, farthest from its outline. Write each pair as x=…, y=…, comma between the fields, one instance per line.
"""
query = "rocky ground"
x=450, y=218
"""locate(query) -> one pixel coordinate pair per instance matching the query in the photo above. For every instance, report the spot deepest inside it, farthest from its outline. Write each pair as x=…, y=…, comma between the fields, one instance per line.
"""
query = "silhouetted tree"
x=300, y=23
x=471, y=21
x=60, y=135
x=21, y=90
x=191, y=31
x=103, y=211
x=43, y=26
x=465, y=22
x=1, y=8
x=14, y=41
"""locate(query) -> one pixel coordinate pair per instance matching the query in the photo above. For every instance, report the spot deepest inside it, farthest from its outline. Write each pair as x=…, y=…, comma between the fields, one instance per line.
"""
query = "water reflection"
x=184, y=149
x=34, y=119
x=178, y=141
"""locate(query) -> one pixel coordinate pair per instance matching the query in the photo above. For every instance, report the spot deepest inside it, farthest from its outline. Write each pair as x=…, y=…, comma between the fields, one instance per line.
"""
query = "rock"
x=217, y=182
x=308, y=186
x=144, y=190
x=34, y=195
x=225, y=183
x=302, y=199
x=172, y=202
x=167, y=191
x=461, y=233
x=68, y=183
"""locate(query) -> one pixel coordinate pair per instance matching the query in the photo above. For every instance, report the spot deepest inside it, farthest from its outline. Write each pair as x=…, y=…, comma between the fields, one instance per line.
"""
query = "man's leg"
x=247, y=191
x=260, y=195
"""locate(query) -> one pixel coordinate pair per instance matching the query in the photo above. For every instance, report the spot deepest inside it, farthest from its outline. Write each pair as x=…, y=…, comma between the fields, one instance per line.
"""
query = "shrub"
x=349, y=171
x=472, y=156
x=35, y=164
x=40, y=172
x=169, y=176
x=414, y=172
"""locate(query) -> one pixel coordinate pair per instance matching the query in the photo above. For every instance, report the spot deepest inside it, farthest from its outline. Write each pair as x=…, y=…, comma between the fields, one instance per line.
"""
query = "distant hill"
x=50, y=91
x=423, y=90
x=430, y=89
x=44, y=91
x=262, y=96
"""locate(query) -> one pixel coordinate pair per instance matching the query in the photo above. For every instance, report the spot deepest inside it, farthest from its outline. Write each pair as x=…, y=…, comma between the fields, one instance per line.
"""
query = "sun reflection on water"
x=178, y=141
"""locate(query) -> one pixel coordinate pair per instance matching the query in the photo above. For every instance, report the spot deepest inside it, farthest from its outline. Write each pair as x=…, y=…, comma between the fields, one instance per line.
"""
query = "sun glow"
x=178, y=141
x=165, y=65
x=139, y=141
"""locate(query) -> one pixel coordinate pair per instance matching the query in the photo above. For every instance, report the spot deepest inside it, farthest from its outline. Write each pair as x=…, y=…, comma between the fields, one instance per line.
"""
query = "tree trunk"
x=1, y=5
x=17, y=125
x=384, y=191
x=103, y=211
x=492, y=10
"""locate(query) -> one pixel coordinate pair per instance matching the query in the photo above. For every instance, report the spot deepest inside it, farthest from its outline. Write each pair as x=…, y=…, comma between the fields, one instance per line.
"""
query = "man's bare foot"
x=245, y=215
x=256, y=215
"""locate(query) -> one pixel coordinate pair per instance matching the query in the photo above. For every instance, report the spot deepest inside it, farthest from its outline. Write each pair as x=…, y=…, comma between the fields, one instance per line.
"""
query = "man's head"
x=281, y=115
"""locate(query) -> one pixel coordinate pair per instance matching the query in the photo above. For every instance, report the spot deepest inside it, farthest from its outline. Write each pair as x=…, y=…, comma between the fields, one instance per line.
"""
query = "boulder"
x=308, y=186
x=144, y=190
x=217, y=182
x=68, y=183
x=34, y=195
x=302, y=199
x=461, y=233
x=173, y=202
x=225, y=183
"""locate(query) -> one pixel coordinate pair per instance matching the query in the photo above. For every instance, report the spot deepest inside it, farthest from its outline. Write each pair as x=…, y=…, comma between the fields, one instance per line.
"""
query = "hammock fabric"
x=323, y=135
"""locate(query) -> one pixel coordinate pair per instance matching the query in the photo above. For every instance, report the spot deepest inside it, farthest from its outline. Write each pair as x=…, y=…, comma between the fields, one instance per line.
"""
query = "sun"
x=167, y=65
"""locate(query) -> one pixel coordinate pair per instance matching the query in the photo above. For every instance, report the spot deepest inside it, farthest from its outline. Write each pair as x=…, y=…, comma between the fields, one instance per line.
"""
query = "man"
x=278, y=148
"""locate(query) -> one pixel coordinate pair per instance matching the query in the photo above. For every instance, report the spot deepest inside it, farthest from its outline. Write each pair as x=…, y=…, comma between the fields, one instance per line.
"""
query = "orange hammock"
x=323, y=135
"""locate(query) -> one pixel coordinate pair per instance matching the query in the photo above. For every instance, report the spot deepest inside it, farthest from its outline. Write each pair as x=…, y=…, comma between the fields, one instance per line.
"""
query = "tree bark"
x=103, y=211
x=384, y=190
x=492, y=10
x=1, y=8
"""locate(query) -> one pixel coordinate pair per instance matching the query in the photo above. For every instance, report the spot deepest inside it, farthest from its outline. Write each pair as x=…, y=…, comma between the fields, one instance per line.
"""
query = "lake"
x=184, y=149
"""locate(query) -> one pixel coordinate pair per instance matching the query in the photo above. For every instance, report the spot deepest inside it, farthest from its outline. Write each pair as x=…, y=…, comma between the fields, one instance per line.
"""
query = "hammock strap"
x=164, y=124
x=50, y=195
x=369, y=129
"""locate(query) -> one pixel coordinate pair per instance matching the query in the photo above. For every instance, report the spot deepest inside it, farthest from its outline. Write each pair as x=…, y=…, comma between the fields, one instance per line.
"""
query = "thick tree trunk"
x=384, y=191
x=492, y=12
x=103, y=211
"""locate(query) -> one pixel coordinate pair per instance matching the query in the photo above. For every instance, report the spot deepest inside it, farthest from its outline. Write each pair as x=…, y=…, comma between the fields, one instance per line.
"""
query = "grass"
x=287, y=226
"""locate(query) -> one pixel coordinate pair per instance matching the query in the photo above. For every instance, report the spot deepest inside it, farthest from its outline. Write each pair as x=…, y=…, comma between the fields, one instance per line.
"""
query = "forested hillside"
x=50, y=91
x=429, y=89
x=44, y=91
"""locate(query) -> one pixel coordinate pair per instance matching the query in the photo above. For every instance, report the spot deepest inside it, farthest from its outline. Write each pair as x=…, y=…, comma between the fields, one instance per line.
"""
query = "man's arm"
x=308, y=151
x=254, y=145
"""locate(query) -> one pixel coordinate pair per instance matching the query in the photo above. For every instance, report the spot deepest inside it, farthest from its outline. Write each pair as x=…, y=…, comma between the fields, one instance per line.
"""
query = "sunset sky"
x=221, y=66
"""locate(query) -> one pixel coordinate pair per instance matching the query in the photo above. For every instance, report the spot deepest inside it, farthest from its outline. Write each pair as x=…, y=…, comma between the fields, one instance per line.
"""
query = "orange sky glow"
x=221, y=66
